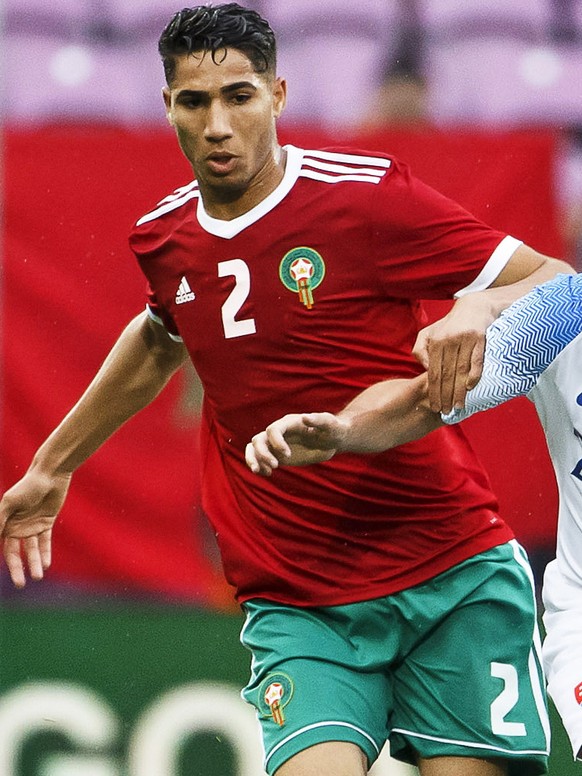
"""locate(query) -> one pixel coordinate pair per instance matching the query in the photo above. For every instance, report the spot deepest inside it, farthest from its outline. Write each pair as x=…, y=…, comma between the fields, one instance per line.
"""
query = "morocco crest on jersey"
x=301, y=271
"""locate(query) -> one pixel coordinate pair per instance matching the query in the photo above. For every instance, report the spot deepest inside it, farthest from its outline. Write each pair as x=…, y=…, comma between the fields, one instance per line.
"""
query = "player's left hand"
x=452, y=349
x=295, y=440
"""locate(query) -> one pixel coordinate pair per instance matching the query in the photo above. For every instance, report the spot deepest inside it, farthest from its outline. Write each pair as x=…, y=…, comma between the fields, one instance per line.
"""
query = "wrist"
x=51, y=464
x=489, y=301
x=343, y=433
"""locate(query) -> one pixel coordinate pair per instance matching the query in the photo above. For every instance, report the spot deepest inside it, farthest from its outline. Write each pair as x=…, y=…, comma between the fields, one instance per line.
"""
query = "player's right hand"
x=295, y=440
x=452, y=349
x=28, y=511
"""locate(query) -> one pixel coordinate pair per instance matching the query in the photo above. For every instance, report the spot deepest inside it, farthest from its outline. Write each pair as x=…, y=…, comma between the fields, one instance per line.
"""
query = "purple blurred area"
x=492, y=62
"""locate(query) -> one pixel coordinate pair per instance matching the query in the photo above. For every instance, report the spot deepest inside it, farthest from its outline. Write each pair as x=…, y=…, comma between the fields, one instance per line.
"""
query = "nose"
x=217, y=122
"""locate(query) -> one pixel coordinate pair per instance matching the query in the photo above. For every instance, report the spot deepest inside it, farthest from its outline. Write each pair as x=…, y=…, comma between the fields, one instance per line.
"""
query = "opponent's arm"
x=521, y=343
x=385, y=415
x=452, y=349
x=137, y=368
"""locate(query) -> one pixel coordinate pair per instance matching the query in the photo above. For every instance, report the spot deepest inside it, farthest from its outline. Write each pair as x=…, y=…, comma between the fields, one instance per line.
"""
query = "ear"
x=167, y=95
x=279, y=96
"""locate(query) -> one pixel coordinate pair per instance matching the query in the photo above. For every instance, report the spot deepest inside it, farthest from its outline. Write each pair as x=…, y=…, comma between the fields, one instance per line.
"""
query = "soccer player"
x=533, y=349
x=384, y=599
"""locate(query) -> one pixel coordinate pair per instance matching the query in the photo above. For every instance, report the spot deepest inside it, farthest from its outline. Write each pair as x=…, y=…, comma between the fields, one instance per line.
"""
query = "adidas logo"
x=185, y=293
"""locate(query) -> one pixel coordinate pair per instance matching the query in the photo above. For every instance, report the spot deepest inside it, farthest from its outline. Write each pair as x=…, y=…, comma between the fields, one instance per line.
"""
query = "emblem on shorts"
x=578, y=694
x=275, y=693
x=301, y=271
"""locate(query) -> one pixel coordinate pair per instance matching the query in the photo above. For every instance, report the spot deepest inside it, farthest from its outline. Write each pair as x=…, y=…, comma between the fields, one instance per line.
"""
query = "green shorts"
x=450, y=667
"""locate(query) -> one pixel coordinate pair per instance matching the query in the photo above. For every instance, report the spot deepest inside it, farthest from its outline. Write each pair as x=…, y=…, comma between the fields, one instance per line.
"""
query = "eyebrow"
x=238, y=85
x=228, y=89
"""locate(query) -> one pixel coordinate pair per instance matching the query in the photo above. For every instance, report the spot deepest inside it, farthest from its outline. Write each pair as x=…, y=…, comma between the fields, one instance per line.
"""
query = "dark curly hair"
x=214, y=28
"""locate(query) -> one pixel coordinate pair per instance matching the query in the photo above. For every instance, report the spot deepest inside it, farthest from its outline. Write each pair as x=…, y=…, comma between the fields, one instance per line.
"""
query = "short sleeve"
x=159, y=315
x=426, y=245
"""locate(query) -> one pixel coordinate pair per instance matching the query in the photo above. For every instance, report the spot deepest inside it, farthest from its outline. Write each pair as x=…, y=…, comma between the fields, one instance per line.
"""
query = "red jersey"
x=296, y=306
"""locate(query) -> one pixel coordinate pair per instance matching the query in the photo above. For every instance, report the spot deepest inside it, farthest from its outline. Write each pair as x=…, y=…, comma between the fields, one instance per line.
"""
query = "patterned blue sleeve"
x=523, y=342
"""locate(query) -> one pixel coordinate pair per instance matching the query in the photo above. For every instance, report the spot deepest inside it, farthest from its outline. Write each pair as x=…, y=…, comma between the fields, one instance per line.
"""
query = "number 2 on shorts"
x=505, y=701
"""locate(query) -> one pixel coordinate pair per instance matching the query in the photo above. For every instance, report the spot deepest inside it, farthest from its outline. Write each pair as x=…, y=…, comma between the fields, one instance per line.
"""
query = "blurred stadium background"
x=126, y=661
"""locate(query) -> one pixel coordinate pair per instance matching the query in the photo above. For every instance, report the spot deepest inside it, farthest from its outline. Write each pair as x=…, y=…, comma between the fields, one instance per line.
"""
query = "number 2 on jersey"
x=235, y=300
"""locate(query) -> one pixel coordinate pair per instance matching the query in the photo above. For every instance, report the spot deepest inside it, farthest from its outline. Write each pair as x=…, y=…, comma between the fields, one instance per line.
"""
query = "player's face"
x=224, y=114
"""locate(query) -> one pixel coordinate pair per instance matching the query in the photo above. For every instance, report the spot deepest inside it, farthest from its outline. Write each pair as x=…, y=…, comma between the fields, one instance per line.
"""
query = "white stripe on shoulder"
x=355, y=159
x=344, y=168
x=172, y=202
x=179, y=192
x=334, y=178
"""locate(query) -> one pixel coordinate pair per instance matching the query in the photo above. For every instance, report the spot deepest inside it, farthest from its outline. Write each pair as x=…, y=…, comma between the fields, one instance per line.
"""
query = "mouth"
x=221, y=163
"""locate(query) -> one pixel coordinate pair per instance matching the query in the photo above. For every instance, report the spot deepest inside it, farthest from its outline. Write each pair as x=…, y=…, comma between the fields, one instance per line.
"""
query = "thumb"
x=420, y=349
x=318, y=420
x=7, y=508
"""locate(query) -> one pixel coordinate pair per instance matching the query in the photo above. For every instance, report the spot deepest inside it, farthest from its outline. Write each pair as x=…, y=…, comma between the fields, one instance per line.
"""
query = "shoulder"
x=342, y=160
x=378, y=186
x=345, y=164
x=165, y=214
x=399, y=196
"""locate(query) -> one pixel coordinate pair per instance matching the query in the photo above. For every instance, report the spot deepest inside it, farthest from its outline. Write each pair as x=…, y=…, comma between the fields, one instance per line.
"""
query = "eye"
x=240, y=98
x=190, y=101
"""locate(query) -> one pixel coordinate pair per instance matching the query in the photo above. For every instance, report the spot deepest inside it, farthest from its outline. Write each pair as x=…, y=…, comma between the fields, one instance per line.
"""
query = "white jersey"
x=535, y=349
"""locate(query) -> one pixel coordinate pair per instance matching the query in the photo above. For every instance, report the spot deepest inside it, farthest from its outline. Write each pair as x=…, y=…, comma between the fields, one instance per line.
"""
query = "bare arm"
x=383, y=416
x=137, y=368
x=133, y=374
x=452, y=349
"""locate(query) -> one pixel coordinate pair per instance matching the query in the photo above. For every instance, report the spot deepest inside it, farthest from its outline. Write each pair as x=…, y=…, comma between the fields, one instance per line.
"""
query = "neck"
x=226, y=204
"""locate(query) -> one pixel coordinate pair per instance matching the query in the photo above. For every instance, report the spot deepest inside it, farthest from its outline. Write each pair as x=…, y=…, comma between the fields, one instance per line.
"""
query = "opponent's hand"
x=452, y=350
x=295, y=440
x=28, y=511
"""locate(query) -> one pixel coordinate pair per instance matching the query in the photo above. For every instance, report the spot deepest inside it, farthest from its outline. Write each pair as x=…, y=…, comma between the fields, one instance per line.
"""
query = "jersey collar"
x=229, y=229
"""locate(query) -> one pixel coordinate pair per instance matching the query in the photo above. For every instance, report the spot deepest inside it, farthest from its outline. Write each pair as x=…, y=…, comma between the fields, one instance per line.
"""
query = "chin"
x=226, y=189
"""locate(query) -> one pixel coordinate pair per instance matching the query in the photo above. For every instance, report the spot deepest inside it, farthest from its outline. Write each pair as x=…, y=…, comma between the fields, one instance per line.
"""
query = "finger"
x=272, y=447
x=449, y=378
x=325, y=430
x=258, y=465
x=459, y=379
x=476, y=368
x=45, y=548
x=321, y=421
x=14, y=562
x=468, y=369
x=251, y=458
x=33, y=557
x=420, y=349
x=275, y=437
x=4, y=512
x=263, y=454
x=435, y=377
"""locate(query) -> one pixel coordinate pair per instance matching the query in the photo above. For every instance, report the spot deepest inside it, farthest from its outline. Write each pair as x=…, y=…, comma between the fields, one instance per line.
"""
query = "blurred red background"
x=132, y=520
